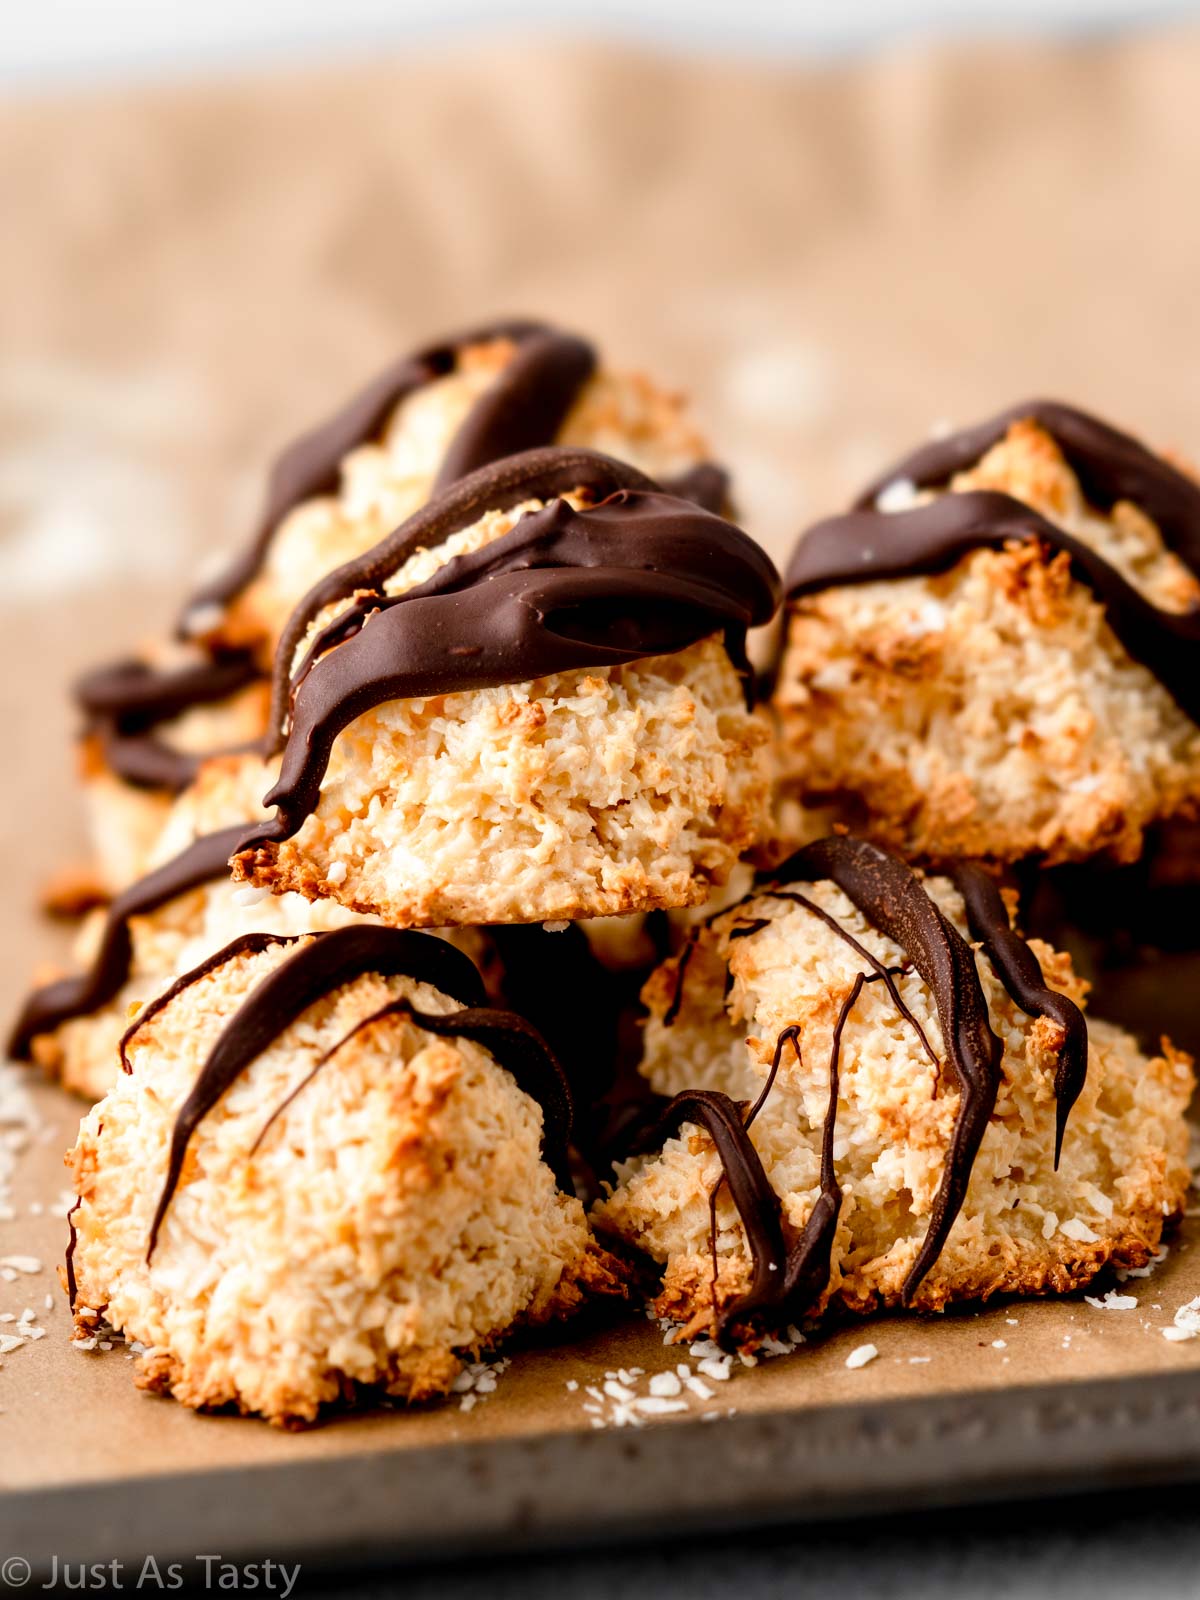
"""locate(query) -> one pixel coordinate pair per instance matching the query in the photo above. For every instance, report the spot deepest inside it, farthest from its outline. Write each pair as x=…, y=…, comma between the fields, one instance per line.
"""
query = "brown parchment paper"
x=829, y=261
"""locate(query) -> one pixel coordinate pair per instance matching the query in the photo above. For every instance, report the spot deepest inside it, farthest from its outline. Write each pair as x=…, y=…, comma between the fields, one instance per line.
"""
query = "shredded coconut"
x=1112, y=1301
x=478, y=1380
x=860, y=1357
x=1186, y=1324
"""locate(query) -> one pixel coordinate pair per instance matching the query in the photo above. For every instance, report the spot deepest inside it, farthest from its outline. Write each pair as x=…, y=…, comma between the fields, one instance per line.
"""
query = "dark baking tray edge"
x=803, y=1465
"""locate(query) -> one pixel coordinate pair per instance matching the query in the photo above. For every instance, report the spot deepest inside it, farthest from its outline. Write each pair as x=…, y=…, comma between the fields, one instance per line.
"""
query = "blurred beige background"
x=831, y=259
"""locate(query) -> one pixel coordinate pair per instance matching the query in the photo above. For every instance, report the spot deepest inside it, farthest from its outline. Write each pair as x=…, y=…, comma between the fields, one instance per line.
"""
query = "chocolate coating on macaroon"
x=204, y=861
x=124, y=703
x=1109, y=464
x=526, y=406
x=322, y=964
x=1022, y=976
x=866, y=544
x=863, y=546
x=893, y=899
x=639, y=574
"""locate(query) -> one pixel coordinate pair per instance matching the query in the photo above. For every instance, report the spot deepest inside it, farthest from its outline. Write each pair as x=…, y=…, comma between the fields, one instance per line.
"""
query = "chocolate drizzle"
x=311, y=465
x=245, y=944
x=868, y=544
x=706, y=485
x=790, y=1266
x=69, y=1258
x=682, y=963
x=48, y=1008
x=891, y=897
x=639, y=574
x=881, y=972
x=1021, y=974
x=757, y=924
x=133, y=694
x=124, y=703
x=535, y=475
x=146, y=762
x=525, y=406
x=865, y=545
x=756, y=1201
x=510, y=1039
x=323, y=963
x=1109, y=464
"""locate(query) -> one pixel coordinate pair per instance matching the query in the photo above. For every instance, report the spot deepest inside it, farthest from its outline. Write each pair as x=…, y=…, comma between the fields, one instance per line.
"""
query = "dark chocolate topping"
x=1021, y=974
x=790, y=1267
x=640, y=574
x=811, y=1256
x=892, y=898
x=46, y=1009
x=756, y=1201
x=245, y=944
x=69, y=1258
x=136, y=695
x=865, y=545
x=125, y=702
x=682, y=963
x=520, y=1049
x=535, y=475
x=880, y=972
x=311, y=464
x=511, y=1040
x=324, y=962
x=707, y=484
x=1109, y=464
x=146, y=762
x=525, y=407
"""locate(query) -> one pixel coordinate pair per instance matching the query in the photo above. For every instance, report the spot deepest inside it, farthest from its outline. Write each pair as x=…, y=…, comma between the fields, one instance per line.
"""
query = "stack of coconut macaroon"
x=471, y=723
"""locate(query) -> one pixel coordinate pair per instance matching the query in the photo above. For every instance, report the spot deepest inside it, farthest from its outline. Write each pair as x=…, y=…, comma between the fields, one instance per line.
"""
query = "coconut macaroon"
x=149, y=725
x=182, y=910
x=163, y=924
x=329, y=1172
x=529, y=703
x=419, y=426
x=996, y=653
x=428, y=419
x=872, y=1074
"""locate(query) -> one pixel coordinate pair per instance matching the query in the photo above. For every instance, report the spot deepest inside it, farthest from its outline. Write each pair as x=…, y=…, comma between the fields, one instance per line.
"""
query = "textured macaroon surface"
x=1023, y=1229
x=82, y=1052
x=990, y=710
x=382, y=482
x=590, y=793
x=125, y=821
x=168, y=941
x=396, y=1218
x=584, y=794
x=386, y=479
x=179, y=935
